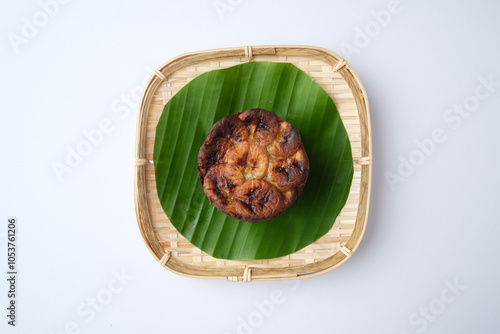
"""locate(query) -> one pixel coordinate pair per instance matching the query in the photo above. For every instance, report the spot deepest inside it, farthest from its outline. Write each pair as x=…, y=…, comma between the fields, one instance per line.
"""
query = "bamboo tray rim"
x=253, y=272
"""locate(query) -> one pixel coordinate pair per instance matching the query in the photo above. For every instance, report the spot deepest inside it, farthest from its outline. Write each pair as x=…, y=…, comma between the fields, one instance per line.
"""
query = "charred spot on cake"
x=284, y=170
x=212, y=158
x=242, y=160
x=248, y=120
x=248, y=206
x=230, y=185
x=264, y=199
x=262, y=125
x=215, y=187
x=250, y=194
x=298, y=165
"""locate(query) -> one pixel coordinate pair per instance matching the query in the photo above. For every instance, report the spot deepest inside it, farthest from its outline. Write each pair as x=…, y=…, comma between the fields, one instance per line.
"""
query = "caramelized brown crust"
x=287, y=173
x=220, y=184
x=262, y=124
x=211, y=154
x=253, y=165
x=287, y=141
x=250, y=158
x=258, y=200
x=220, y=138
x=230, y=128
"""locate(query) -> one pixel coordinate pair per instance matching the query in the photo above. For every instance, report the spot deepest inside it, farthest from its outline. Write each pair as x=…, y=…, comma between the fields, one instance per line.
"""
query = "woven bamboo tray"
x=170, y=248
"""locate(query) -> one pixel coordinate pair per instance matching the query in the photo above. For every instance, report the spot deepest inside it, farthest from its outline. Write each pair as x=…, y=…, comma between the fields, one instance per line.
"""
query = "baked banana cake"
x=253, y=165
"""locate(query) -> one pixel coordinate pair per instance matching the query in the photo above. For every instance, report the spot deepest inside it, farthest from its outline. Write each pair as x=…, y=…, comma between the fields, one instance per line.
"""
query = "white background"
x=437, y=225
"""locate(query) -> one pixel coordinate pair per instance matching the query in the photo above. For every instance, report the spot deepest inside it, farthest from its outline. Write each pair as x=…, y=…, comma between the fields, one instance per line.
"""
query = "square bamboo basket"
x=171, y=249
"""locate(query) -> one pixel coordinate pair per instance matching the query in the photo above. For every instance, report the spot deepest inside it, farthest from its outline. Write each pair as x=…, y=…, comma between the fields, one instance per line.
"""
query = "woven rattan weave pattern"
x=341, y=83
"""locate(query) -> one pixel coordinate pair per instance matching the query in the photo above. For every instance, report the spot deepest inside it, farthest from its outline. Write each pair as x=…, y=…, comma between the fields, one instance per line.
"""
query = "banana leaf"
x=293, y=96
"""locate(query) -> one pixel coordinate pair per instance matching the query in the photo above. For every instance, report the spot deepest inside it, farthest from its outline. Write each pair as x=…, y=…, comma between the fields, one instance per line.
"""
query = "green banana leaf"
x=293, y=96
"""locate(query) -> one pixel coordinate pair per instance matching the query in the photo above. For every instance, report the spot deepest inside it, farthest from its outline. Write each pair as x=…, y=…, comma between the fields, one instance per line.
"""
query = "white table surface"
x=429, y=259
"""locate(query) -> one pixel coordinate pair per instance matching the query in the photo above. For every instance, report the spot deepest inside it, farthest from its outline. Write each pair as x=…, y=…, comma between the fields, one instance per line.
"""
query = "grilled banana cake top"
x=253, y=165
